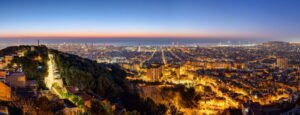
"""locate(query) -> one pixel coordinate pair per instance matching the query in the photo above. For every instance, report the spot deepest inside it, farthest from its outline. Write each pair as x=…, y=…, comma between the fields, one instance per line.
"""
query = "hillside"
x=104, y=80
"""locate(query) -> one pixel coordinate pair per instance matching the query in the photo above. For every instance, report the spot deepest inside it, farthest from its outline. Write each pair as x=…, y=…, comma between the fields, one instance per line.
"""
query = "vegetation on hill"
x=87, y=75
x=104, y=80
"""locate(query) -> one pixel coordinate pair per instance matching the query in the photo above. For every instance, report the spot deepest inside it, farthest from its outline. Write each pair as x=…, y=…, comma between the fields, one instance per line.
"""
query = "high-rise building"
x=154, y=73
x=282, y=63
x=139, y=48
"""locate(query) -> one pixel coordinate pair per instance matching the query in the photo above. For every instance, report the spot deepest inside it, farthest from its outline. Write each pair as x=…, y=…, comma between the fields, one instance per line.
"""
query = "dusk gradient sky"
x=220, y=19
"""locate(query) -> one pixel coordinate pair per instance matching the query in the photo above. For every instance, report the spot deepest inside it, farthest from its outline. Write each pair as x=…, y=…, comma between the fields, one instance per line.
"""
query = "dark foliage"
x=105, y=80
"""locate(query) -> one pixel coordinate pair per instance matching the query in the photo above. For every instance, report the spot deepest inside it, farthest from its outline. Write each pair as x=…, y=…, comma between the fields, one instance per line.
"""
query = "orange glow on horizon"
x=98, y=35
x=122, y=35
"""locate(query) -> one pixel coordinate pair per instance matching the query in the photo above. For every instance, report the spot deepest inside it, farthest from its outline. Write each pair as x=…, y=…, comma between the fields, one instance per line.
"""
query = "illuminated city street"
x=149, y=57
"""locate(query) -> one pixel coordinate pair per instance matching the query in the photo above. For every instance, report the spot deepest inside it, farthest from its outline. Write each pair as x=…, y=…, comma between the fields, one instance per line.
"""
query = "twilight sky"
x=239, y=19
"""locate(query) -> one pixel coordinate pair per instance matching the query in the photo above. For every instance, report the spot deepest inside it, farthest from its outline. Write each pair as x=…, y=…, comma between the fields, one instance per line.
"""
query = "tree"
x=99, y=108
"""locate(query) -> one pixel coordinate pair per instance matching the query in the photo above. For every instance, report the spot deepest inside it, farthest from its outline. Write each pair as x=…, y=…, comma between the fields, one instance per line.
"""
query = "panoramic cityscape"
x=169, y=57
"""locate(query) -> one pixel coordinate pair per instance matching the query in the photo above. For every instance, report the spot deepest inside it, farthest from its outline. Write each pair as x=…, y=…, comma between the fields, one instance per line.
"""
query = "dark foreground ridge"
x=103, y=83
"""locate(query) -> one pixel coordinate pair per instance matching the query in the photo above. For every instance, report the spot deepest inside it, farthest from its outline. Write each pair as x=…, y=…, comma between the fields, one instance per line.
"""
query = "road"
x=163, y=57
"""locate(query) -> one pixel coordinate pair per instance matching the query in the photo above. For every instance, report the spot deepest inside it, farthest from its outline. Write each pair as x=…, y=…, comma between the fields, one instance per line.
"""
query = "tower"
x=282, y=63
x=139, y=48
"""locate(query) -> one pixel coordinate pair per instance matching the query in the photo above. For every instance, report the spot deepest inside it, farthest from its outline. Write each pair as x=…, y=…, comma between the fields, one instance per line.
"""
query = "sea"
x=131, y=41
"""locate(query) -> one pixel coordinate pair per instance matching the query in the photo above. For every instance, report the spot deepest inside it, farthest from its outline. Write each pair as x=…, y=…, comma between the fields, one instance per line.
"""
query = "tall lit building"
x=282, y=63
x=154, y=73
x=139, y=48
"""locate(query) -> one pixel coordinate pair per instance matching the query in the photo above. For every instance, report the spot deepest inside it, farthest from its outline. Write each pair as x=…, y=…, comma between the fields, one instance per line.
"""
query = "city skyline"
x=267, y=20
x=149, y=57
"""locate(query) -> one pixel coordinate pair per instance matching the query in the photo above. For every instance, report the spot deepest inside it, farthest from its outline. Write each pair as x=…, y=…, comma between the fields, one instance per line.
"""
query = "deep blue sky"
x=268, y=19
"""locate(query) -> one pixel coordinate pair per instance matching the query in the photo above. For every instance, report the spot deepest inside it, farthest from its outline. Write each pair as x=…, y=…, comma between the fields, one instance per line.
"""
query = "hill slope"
x=104, y=80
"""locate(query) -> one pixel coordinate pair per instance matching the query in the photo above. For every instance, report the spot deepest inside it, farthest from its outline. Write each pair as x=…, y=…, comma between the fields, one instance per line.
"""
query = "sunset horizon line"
x=130, y=35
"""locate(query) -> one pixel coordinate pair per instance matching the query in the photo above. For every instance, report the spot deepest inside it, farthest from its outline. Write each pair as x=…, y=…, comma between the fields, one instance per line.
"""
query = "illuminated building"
x=276, y=44
x=282, y=63
x=154, y=73
x=8, y=58
x=119, y=60
x=239, y=65
x=32, y=48
x=139, y=49
x=2, y=75
x=218, y=65
x=5, y=91
x=103, y=60
x=177, y=71
x=126, y=66
x=130, y=66
x=2, y=64
x=6, y=61
x=4, y=110
x=17, y=80
x=222, y=65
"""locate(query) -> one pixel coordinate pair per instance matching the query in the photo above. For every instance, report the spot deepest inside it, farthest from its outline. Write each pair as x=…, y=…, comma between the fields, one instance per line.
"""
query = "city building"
x=5, y=92
x=282, y=63
x=103, y=60
x=2, y=75
x=218, y=65
x=177, y=71
x=5, y=61
x=8, y=59
x=33, y=85
x=17, y=79
x=119, y=60
x=4, y=110
x=239, y=65
x=2, y=64
x=154, y=73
